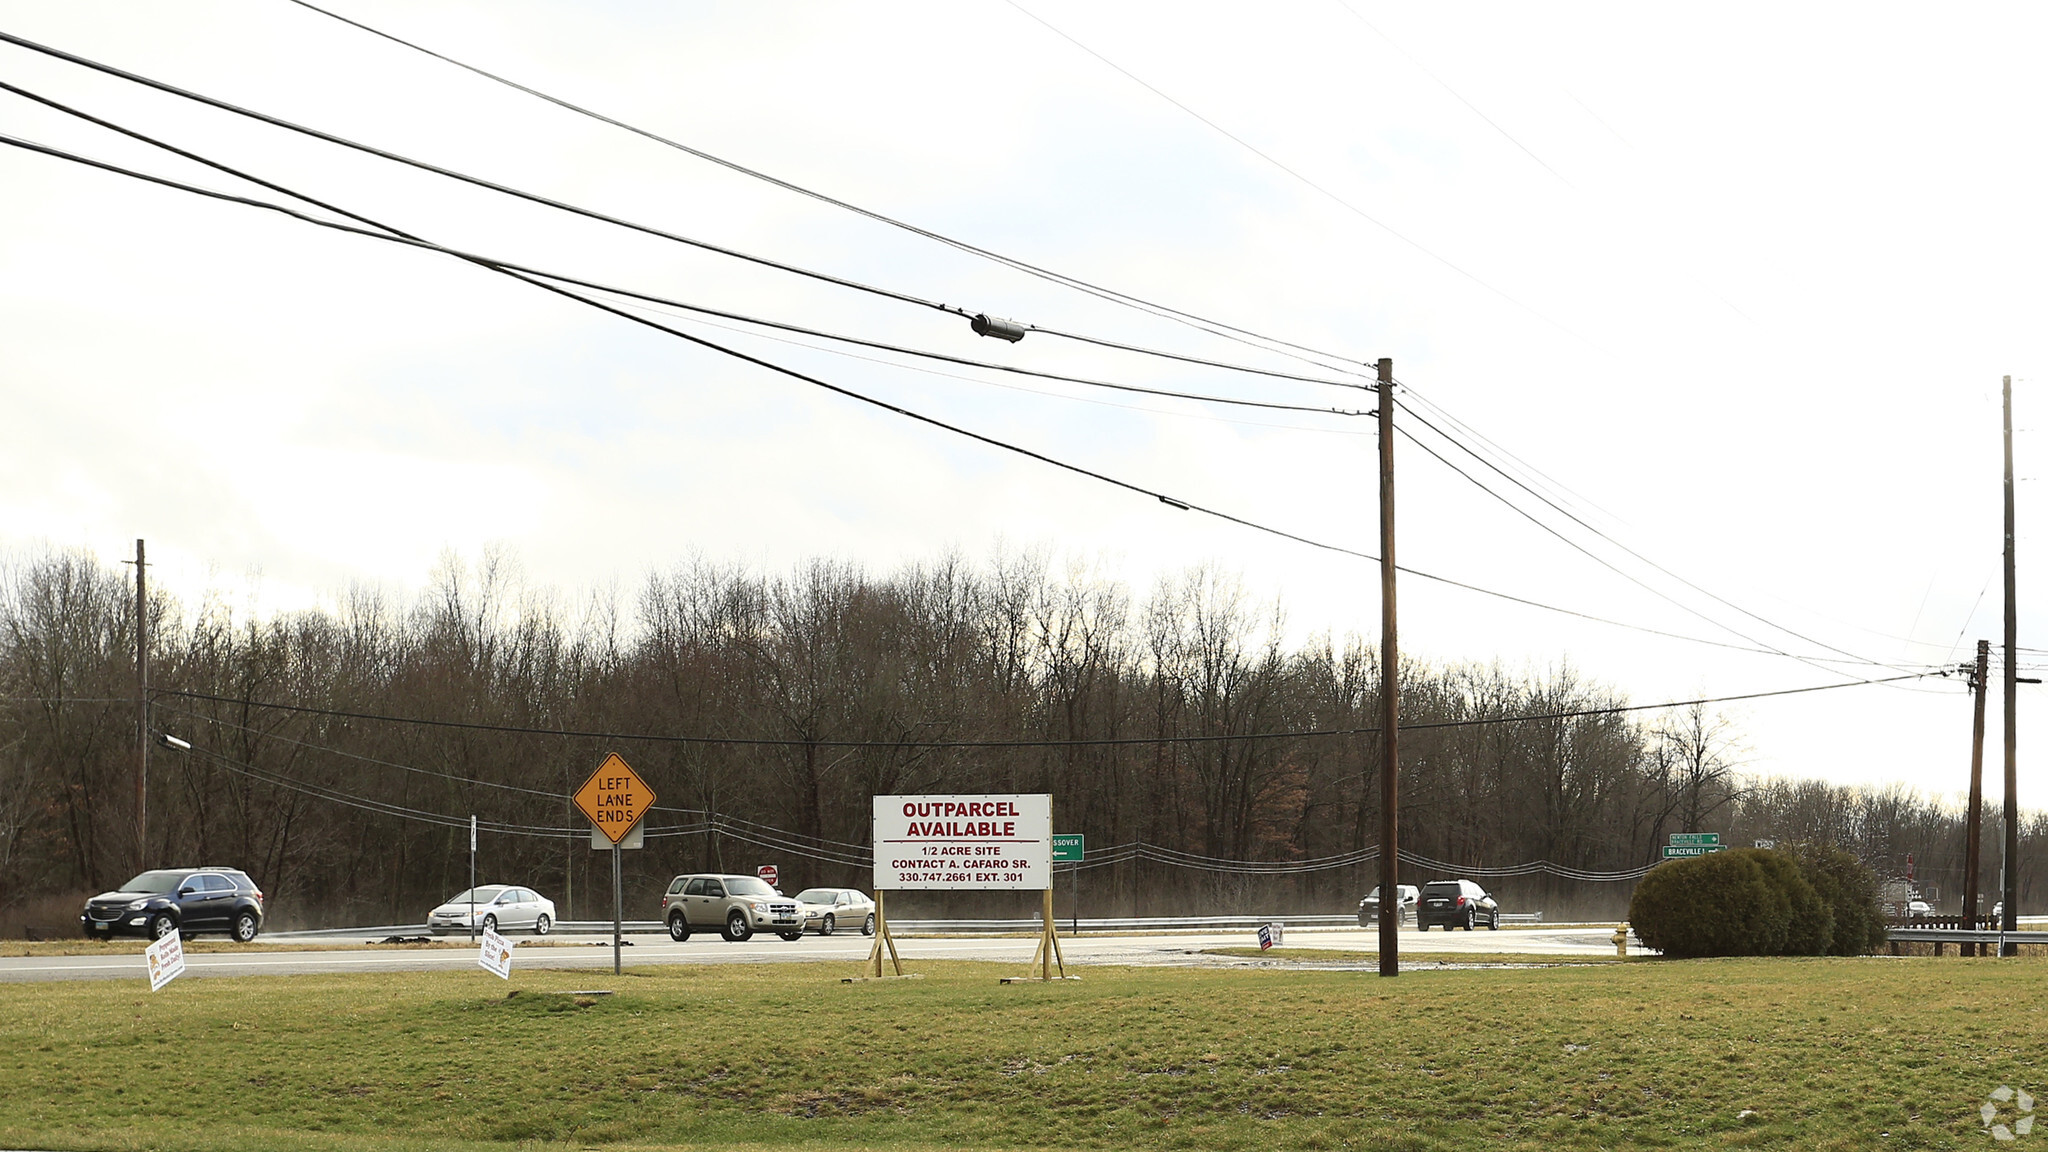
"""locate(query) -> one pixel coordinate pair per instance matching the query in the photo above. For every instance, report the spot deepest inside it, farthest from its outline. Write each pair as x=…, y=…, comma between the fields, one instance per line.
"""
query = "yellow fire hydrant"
x=1621, y=940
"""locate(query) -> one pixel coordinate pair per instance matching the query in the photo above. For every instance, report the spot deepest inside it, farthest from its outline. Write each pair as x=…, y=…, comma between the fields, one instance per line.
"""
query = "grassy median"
x=1809, y=1054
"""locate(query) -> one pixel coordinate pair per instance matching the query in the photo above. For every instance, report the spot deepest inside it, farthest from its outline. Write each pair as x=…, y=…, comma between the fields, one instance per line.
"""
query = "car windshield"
x=818, y=895
x=484, y=895
x=1373, y=895
x=155, y=882
x=1443, y=888
x=747, y=886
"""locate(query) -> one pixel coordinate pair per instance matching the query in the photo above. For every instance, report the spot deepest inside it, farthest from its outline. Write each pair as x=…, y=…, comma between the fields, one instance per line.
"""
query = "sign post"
x=1069, y=848
x=615, y=799
x=965, y=843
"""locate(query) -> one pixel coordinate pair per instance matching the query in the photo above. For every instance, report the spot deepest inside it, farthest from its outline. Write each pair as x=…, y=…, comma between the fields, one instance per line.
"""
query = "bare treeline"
x=853, y=683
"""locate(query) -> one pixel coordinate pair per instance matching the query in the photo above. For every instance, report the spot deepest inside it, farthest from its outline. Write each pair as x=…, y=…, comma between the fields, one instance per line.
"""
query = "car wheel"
x=736, y=929
x=542, y=925
x=490, y=923
x=246, y=927
x=1471, y=918
x=792, y=937
x=161, y=925
x=1493, y=923
x=828, y=926
x=678, y=928
x=868, y=929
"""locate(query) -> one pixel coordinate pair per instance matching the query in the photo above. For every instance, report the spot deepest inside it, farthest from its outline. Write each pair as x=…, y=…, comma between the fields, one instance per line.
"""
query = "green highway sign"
x=1068, y=847
x=1672, y=851
x=1695, y=839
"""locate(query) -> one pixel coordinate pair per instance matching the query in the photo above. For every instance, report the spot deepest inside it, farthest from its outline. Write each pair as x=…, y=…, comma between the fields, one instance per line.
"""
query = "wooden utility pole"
x=1973, y=854
x=141, y=710
x=2010, y=920
x=1390, y=695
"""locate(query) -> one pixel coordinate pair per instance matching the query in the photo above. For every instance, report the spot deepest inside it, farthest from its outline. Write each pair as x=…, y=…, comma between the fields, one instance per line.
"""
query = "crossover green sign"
x=1068, y=847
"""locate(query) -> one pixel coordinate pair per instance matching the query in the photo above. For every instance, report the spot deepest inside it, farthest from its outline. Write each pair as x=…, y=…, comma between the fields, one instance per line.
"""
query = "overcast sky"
x=1739, y=285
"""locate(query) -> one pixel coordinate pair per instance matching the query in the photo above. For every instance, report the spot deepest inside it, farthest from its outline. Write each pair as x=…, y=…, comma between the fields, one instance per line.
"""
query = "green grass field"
x=1805, y=1053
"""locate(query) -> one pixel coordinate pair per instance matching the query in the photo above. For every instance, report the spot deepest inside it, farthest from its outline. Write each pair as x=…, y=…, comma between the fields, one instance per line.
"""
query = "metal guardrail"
x=1962, y=936
x=939, y=927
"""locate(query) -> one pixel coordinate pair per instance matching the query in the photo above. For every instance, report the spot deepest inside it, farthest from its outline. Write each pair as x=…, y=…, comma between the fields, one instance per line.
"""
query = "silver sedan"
x=499, y=907
x=826, y=910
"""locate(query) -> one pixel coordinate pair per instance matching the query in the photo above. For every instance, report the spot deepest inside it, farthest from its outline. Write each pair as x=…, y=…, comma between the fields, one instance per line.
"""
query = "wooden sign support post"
x=1048, y=955
x=882, y=940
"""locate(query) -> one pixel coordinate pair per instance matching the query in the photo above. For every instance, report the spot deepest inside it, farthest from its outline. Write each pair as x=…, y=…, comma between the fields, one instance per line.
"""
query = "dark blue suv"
x=183, y=900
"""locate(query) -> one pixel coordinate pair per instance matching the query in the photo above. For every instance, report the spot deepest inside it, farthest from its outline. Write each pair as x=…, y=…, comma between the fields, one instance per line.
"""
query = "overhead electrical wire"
x=1459, y=96
x=404, y=238
x=392, y=235
x=1529, y=472
x=1119, y=741
x=1722, y=600
x=401, y=811
x=1507, y=462
x=1534, y=477
x=781, y=841
x=1342, y=363
x=986, y=383
x=1298, y=176
x=1762, y=646
x=646, y=229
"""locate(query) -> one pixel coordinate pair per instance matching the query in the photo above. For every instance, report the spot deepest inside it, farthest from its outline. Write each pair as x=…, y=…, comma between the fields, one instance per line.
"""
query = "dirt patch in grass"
x=1410, y=961
x=1793, y=1054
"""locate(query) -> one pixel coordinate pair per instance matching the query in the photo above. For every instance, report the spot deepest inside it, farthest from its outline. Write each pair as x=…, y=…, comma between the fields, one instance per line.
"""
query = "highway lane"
x=1552, y=943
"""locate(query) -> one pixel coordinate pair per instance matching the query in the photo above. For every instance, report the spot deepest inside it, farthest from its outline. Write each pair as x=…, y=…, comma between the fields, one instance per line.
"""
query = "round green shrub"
x=1849, y=888
x=1720, y=904
x=1812, y=927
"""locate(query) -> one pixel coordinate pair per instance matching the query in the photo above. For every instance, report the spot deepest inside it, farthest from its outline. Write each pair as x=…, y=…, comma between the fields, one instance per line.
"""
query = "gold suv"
x=737, y=906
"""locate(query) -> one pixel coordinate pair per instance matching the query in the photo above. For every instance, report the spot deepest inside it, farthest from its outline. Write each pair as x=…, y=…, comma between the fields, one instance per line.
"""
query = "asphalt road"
x=1550, y=943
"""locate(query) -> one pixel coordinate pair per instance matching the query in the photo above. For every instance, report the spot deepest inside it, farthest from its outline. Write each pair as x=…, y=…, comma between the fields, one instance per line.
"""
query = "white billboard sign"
x=955, y=843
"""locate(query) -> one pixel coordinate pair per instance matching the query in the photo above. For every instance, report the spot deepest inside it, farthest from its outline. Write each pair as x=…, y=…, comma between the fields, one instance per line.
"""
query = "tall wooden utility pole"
x=1973, y=839
x=141, y=710
x=2010, y=921
x=1390, y=696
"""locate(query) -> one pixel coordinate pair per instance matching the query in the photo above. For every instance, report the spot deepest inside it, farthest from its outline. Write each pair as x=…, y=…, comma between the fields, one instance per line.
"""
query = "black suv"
x=183, y=900
x=1455, y=904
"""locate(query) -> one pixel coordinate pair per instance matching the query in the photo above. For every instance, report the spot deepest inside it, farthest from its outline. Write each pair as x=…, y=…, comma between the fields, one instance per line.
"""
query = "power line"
x=785, y=742
x=349, y=799
x=1270, y=159
x=1183, y=505
x=1762, y=646
x=927, y=371
x=394, y=235
x=1205, y=324
x=1618, y=544
x=1490, y=123
x=592, y=214
x=330, y=138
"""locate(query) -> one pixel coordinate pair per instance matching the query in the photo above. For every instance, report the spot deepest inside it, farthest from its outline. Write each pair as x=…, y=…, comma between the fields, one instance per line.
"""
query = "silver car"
x=499, y=907
x=826, y=910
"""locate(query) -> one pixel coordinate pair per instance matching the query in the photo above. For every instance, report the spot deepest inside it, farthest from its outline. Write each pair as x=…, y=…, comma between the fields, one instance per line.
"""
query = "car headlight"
x=137, y=905
x=758, y=905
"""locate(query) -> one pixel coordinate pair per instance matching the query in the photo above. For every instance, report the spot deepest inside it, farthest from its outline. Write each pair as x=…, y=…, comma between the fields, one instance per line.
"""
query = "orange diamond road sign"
x=614, y=798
